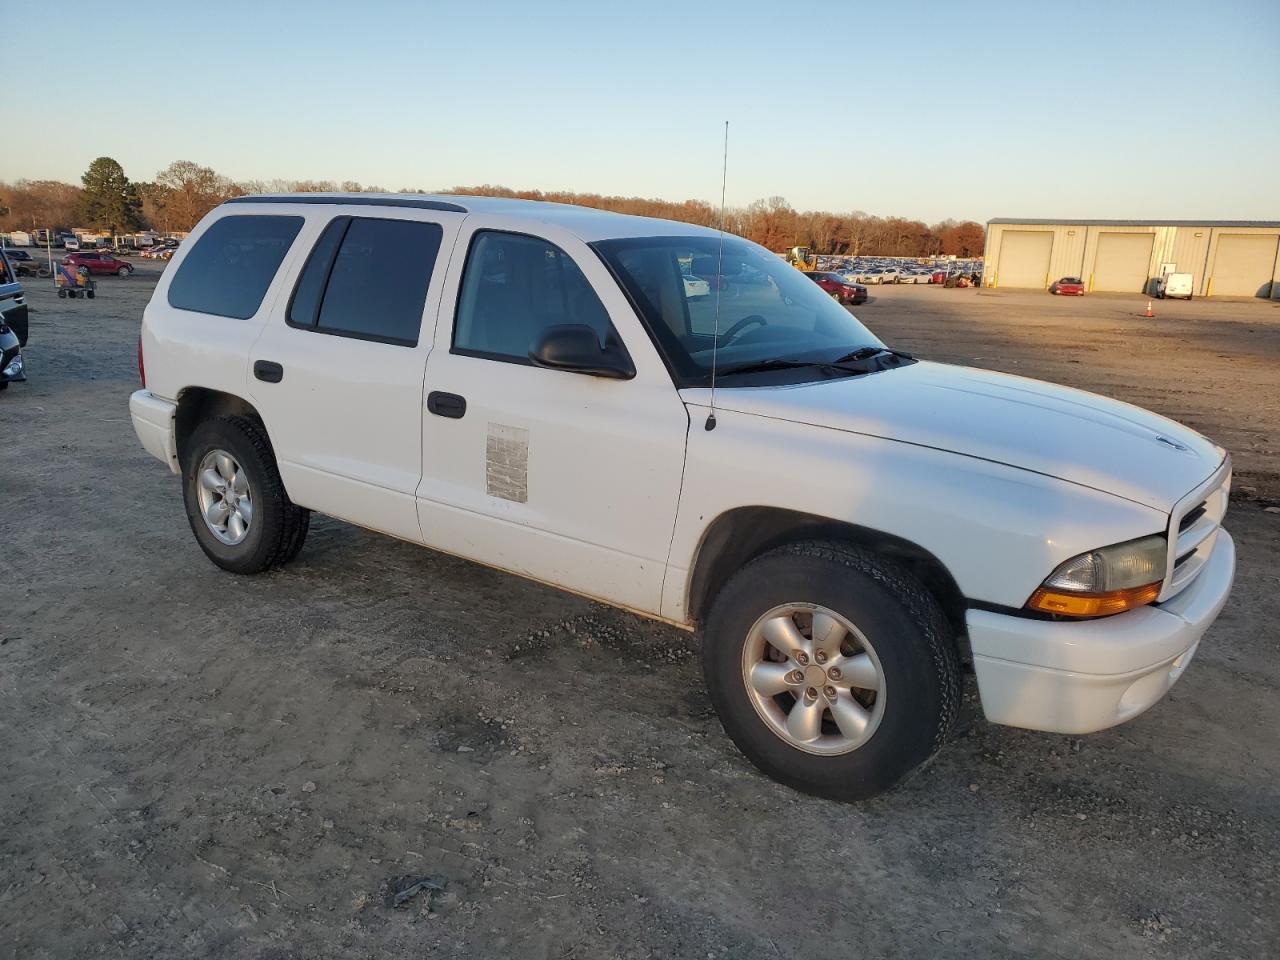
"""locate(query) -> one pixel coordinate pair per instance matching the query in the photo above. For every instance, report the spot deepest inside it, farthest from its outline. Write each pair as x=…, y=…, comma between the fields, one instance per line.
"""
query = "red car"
x=98, y=263
x=1068, y=287
x=840, y=289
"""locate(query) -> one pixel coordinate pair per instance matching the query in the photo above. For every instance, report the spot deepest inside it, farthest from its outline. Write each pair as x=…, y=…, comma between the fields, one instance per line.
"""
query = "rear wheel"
x=833, y=670
x=236, y=503
x=124, y=271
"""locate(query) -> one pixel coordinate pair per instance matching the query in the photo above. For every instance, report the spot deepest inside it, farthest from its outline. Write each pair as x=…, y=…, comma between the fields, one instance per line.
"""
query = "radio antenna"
x=715, y=341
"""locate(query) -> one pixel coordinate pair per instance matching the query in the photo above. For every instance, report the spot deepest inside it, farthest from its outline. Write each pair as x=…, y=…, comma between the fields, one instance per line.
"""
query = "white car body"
x=999, y=478
x=696, y=287
x=71, y=244
x=1178, y=285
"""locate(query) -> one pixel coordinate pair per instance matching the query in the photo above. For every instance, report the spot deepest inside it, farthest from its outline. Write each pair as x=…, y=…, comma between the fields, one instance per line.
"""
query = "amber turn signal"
x=1095, y=604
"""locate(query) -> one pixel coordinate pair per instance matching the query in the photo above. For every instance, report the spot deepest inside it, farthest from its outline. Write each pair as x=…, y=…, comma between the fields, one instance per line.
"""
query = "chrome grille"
x=1193, y=530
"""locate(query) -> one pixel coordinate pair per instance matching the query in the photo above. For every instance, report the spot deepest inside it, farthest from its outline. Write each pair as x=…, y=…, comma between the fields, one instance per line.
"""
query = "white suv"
x=533, y=386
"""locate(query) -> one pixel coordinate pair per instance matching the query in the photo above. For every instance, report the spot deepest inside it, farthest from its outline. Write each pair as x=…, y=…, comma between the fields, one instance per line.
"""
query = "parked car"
x=1175, y=285
x=23, y=264
x=695, y=287
x=99, y=263
x=159, y=251
x=843, y=523
x=71, y=244
x=880, y=275
x=12, y=368
x=1067, y=287
x=838, y=288
x=13, y=324
x=914, y=276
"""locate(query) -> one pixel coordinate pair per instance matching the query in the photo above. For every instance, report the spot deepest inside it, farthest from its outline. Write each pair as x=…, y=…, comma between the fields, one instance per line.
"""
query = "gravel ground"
x=195, y=764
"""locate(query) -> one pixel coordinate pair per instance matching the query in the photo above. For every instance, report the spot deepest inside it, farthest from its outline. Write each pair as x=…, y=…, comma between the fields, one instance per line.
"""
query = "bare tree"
x=187, y=191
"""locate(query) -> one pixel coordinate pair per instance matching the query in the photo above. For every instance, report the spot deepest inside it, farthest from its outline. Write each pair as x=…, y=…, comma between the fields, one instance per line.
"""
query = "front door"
x=564, y=477
x=337, y=372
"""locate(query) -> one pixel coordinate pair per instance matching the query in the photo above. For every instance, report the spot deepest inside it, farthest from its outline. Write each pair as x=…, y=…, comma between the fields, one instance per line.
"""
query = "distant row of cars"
x=879, y=275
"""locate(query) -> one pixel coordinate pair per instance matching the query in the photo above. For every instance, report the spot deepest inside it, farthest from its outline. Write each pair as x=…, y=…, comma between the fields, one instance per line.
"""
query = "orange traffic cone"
x=1148, y=313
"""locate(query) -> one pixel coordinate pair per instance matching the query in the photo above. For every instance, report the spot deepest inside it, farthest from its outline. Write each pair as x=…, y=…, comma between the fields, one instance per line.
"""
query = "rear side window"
x=231, y=266
x=367, y=278
x=513, y=288
x=228, y=270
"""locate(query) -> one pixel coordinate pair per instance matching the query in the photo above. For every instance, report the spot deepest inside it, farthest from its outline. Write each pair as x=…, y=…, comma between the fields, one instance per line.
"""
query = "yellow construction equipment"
x=802, y=258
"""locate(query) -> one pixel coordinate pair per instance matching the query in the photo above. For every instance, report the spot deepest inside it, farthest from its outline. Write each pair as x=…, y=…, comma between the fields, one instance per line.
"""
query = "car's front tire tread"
x=284, y=525
x=904, y=624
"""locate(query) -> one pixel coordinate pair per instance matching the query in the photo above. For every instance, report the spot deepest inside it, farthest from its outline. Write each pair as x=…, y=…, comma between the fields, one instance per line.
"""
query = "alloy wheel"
x=226, y=500
x=813, y=678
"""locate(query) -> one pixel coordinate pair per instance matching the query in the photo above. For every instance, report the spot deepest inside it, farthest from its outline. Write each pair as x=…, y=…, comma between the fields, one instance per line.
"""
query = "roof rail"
x=368, y=201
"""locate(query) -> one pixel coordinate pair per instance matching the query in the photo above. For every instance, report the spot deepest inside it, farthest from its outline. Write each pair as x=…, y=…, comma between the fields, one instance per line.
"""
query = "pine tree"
x=109, y=201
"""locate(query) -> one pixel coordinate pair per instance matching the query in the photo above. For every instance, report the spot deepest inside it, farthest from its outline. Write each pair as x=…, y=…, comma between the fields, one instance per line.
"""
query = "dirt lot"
x=198, y=765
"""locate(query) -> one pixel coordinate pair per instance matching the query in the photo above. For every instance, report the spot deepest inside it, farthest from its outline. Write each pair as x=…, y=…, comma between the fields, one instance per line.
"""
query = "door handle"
x=268, y=371
x=446, y=404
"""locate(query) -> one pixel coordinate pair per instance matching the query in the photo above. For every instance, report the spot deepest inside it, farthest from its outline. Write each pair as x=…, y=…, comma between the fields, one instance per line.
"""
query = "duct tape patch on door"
x=506, y=463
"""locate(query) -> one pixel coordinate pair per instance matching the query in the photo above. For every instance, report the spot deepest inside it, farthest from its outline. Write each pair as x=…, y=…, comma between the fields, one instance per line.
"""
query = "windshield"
x=768, y=310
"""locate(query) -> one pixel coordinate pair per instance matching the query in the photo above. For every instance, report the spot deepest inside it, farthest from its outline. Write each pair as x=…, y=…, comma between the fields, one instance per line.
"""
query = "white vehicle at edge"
x=846, y=529
x=695, y=287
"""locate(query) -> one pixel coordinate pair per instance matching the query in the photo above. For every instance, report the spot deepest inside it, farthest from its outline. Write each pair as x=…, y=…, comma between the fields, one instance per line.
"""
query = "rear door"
x=337, y=371
x=563, y=477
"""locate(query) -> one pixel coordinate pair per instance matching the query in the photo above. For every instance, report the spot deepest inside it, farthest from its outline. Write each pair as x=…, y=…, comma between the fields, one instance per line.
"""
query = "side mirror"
x=575, y=347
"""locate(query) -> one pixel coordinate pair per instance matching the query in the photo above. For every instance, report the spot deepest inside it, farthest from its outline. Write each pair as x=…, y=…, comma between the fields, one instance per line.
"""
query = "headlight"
x=14, y=369
x=1102, y=582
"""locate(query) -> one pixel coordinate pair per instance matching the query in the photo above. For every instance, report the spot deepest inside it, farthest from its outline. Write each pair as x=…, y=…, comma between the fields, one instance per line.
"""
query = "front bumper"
x=154, y=425
x=1078, y=677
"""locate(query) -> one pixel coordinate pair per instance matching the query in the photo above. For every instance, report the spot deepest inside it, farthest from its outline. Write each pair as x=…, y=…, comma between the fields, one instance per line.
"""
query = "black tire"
x=62, y=293
x=903, y=623
x=124, y=271
x=4, y=384
x=278, y=528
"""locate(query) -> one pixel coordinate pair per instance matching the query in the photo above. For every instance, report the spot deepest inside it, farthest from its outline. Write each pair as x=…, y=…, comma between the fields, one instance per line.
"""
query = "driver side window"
x=513, y=288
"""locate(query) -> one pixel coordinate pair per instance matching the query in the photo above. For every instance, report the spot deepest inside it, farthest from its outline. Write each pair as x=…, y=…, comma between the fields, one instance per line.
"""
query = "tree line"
x=174, y=201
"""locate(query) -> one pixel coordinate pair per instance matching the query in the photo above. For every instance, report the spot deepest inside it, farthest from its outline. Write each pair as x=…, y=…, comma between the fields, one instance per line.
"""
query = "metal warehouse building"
x=1225, y=259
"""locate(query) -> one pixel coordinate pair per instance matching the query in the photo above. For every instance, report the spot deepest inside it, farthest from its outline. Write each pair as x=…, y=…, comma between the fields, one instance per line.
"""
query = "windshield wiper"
x=778, y=363
x=862, y=360
x=866, y=353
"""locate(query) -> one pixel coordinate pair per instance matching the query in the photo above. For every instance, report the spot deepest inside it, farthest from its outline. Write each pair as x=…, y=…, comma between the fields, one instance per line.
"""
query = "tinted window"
x=368, y=278
x=228, y=270
x=306, y=298
x=513, y=288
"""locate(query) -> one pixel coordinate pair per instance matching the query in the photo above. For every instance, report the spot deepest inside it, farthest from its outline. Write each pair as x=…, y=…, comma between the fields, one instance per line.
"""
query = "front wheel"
x=124, y=271
x=833, y=670
x=236, y=503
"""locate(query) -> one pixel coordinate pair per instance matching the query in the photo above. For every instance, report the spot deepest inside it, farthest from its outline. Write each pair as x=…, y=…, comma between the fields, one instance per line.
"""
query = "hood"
x=1057, y=431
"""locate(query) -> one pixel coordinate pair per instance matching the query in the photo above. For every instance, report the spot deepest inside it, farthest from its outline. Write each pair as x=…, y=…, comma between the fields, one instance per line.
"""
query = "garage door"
x=1024, y=258
x=1122, y=262
x=1242, y=266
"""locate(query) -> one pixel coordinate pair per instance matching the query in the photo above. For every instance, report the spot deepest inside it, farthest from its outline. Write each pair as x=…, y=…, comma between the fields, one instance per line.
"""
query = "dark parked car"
x=98, y=263
x=840, y=289
x=1068, y=287
x=23, y=263
x=13, y=325
x=11, y=368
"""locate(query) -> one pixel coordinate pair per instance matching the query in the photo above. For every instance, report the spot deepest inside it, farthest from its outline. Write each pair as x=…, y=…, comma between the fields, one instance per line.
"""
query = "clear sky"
x=927, y=110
